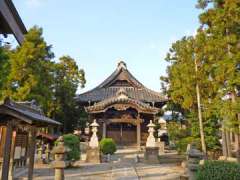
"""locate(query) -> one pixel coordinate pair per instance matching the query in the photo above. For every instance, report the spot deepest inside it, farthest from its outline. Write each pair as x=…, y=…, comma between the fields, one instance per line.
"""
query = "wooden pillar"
x=104, y=135
x=11, y=165
x=31, y=151
x=2, y=143
x=7, y=150
x=138, y=135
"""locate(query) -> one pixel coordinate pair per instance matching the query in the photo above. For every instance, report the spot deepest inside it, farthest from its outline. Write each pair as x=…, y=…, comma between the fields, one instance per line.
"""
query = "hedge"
x=72, y=142
x=219, y=170
x=108, y=146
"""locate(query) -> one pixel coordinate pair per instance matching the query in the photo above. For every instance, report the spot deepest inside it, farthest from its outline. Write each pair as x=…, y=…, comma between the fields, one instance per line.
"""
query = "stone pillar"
x=93, y=153
x=139, y=135
x=104, y=135
x=40, y=153
x=193, y=159
x=7, y=150
x=47, y=153
x=151, y=151
x=59, y=164
x=31, y=151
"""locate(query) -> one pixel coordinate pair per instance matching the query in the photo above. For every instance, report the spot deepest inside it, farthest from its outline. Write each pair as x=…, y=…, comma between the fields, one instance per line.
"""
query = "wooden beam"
x=11, y=165
x=7, y=150
x=139, y=135
x=13, y=21
x=104, y=133
x=31, y=151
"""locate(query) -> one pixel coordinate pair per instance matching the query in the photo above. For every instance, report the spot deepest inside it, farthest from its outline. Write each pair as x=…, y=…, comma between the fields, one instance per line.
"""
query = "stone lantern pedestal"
x=93, y=151
x=151, y=151
x=194, y=156
x=59, y=164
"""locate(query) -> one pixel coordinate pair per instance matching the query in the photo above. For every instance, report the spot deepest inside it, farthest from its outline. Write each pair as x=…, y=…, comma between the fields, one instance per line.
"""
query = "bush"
x=72, y=142
x=218, y=170
x=108, y=146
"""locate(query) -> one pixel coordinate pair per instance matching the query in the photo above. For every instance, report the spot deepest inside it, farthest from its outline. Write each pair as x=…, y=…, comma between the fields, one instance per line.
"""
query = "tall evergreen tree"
x=190, y=84
x=221, y=20
x=67, y=77
x=4, y=67
x=31, y=70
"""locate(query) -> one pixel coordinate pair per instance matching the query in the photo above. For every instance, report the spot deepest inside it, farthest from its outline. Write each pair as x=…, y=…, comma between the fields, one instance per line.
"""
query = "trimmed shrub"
x=72, y=142
x=219, y=170
x=108, y=146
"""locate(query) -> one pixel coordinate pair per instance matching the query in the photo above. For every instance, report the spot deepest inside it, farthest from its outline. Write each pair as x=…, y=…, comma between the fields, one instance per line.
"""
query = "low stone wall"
x=171, y=158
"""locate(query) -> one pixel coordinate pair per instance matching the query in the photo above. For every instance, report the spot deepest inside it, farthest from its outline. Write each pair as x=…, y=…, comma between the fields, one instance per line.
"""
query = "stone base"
x=151, y=155
x=161, y=147
x=93, y=155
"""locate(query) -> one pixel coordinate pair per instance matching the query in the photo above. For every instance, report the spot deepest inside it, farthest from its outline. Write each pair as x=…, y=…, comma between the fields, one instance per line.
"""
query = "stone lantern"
x=94, y=139
x=151, y=142
x=161, y=131
x=151, y=151
x=93, y=152
x=59, y=164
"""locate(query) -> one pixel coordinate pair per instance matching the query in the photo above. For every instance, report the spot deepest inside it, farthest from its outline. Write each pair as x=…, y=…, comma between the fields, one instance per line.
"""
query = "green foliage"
x=180, y=136
x=4, y=67
x=218, y=170
x=31, y=74
x=67, y=78
x=72, y=142
x=108, y=146
x=215, y=50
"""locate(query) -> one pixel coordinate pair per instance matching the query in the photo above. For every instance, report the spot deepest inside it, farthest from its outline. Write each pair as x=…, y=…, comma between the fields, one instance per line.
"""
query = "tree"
x=184, y=76
x=67, y=78
x=190, y=84
x=30, y=74
x=221, y=20
x=4, y=67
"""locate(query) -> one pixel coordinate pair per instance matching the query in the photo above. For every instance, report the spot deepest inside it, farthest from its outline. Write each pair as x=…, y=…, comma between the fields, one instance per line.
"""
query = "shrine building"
x=123, y=107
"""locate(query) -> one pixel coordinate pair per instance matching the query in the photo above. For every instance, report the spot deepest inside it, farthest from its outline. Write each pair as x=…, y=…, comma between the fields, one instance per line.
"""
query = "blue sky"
x=97, y=33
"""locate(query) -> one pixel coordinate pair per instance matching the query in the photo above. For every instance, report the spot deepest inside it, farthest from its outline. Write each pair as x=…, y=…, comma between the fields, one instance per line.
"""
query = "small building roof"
x=121, y=78
x=10, y=21
x=122, y=98
x=25, y=111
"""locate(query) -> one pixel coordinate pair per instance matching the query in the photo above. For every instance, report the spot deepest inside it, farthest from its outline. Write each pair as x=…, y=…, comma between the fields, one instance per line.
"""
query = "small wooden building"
x=19, y=123
x=122, y=106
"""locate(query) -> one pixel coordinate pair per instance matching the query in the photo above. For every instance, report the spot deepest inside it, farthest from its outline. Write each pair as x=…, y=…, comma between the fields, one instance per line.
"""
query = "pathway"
x=122, y=167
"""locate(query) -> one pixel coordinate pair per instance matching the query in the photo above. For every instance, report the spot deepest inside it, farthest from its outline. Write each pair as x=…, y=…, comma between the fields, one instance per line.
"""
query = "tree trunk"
x=228, y=142
x=224, y=143
x=237, y=138
x=204, y=149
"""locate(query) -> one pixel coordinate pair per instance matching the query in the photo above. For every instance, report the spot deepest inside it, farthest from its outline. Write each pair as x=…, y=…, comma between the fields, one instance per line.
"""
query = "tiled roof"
x=121, y=97
x=28, y=110
x=132, y=86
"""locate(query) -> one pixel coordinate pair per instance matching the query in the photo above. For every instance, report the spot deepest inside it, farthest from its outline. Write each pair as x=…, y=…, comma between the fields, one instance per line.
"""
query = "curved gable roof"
x=121, y=78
